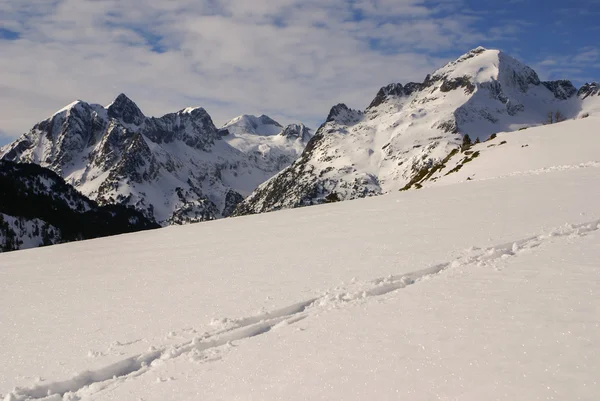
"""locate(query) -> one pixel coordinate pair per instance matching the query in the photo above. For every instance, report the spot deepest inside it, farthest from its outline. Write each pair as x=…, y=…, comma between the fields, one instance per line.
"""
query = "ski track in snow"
x=92, y=382
x=543, y=170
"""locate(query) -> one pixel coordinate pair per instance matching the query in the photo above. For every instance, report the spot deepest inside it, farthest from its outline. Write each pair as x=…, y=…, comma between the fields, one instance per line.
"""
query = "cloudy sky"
x=290, y=59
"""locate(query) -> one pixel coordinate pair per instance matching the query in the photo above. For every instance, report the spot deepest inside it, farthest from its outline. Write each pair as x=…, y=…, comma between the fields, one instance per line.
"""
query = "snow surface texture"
x=457, y=291
x=176, y=169
x=409, y=128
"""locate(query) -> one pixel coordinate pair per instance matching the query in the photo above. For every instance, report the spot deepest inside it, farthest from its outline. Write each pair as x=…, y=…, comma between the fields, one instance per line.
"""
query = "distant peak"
x=343, y=114
x=478, y=49
x=124, y=109
x=268, y=120
x=295, y=131
x=336, y=110
x=589, y=89
x=69, y=107
x=193, y=110
x=122, y=98
x=250, y=124
x=474, y=53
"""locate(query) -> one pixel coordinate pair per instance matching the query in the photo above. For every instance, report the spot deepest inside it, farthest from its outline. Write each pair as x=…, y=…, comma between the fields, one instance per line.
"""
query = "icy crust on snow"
x=176, y=169
x=408, y=129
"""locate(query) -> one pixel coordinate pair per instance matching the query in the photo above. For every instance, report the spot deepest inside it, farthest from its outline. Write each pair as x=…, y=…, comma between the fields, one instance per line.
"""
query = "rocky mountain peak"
x=589, y=89
x=125, y=110
x=408, y=129
x=562, y=89
x=394, y=90
x=484, y=66
x=296, y=131
x=343, y=114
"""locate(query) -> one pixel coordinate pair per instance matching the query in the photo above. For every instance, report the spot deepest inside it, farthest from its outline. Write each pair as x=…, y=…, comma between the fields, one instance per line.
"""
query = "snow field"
x=104, y=318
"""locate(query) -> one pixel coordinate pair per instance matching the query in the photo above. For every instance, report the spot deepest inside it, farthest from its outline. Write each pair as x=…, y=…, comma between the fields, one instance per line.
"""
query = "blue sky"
x=290, y=59
x=558, y=38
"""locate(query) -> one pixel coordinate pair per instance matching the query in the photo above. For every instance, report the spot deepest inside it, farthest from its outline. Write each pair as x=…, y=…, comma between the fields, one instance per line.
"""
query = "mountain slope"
x=176, y=169
x=38, y=208
x=450, y=292
x=267, y=142
x=409, y=128
x=569, y=145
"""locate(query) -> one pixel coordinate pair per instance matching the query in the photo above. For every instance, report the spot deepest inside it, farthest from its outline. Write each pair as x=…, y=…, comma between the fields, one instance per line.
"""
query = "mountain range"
x=409, y=130
x=180, y=168
x=176, y=169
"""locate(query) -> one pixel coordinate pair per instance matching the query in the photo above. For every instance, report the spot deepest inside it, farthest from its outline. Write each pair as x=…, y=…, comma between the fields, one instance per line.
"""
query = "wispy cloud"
x=574, y=66
x=291, y=59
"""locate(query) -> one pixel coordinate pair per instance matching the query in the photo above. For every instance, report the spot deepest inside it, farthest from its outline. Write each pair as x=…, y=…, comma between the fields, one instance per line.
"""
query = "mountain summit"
x=409, y=128
x=272, y=146
x=247, y=124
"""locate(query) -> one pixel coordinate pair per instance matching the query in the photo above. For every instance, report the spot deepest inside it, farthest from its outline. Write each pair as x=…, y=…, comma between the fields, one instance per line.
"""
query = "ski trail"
x=253, y=326
x=543, y=170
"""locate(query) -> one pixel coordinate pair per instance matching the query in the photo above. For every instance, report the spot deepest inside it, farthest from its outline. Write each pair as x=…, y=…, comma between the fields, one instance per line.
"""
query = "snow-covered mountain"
x=176, y=169
x=589, y=90
x=409, y=128
x=269, y=144
x=246, y=124
x=37, y=207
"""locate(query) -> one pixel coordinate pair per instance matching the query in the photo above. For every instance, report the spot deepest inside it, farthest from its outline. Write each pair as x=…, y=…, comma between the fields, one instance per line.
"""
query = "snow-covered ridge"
x=178, y=168
x=409, y=128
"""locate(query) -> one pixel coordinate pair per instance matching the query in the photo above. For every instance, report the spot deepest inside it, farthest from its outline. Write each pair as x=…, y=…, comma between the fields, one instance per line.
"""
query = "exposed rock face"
x=176, y=169
x=297, y=131
x=409, y=128
x=588, y=90
x=394, y=90
x=123, y=109
x=37, y=207
x=561, y=89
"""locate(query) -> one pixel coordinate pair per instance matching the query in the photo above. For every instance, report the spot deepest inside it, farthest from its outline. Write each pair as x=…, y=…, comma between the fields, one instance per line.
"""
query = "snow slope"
x=571, y=144
x=470, y=291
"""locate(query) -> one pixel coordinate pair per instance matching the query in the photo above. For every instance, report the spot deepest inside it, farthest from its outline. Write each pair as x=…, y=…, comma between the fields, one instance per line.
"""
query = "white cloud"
x=291, y=59
x=574, y=66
